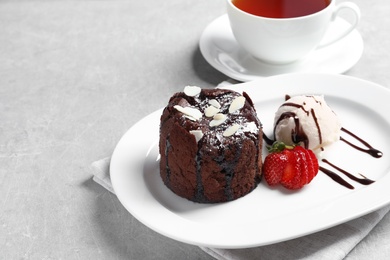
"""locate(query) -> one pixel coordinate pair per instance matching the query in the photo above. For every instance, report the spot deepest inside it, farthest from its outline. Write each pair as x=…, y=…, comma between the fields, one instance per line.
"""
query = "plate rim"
x=184, y=227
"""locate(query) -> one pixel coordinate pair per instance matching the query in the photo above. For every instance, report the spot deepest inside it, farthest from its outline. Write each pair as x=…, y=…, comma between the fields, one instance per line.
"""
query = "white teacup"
x=285, y=40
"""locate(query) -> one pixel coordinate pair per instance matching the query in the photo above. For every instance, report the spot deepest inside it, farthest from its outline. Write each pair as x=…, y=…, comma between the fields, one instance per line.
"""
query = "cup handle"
x=339, y=7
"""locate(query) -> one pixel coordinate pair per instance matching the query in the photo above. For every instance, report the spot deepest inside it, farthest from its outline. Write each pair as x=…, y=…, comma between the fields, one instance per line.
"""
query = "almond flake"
x=197, y=133
x=190, y=118
x=214, y=103
x=192, y=91
x=219, y=116
x=231, y=130
x=217, y=120
x=210, y=111
x=237, y=104
x=189, y=111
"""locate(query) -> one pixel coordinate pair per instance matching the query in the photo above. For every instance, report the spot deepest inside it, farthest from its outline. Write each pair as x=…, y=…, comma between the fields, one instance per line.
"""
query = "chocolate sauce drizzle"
x=364, y=180
x=167, y=169
x=228, y=170
x=268, y=140
x=317, y=125
x=199, y=184
x=336, y=177
x=371, y=150
x=298, y=135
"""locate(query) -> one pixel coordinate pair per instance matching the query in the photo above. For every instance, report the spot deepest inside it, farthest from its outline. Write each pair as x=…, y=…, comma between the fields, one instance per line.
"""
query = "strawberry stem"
x=278, y=147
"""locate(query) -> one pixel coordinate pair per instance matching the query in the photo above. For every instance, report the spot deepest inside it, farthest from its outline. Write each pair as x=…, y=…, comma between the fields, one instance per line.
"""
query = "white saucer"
x=219, y=47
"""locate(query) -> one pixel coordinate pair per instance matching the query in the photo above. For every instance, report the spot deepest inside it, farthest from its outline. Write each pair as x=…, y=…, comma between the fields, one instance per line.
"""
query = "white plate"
x=220, y=49
x=265, y=215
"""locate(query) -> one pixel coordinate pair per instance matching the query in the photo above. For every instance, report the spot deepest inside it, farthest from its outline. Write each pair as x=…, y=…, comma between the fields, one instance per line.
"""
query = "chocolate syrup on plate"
x=371, y=150
x=334, y=176
x=364, y=180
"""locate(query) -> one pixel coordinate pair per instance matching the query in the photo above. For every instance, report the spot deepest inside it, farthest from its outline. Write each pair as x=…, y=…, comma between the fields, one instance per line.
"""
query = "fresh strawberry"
x=291, y=166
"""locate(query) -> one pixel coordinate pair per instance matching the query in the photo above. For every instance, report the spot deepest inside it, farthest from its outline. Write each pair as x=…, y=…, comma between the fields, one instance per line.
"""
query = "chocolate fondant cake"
x=210, y=145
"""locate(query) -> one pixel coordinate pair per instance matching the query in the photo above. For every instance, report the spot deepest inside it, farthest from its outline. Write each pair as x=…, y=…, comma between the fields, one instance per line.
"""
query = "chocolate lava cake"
x=210, y=145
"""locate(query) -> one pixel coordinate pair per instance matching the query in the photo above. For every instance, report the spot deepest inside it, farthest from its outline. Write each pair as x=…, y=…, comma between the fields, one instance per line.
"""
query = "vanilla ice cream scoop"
x=308, y=121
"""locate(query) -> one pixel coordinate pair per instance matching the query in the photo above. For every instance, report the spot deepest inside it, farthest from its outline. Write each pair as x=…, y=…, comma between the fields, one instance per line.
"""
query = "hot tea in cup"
x=284, y=31
x=281, y=8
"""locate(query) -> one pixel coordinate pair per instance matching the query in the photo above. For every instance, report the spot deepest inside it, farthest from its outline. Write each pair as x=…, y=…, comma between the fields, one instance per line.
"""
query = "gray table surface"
x=74, y=76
